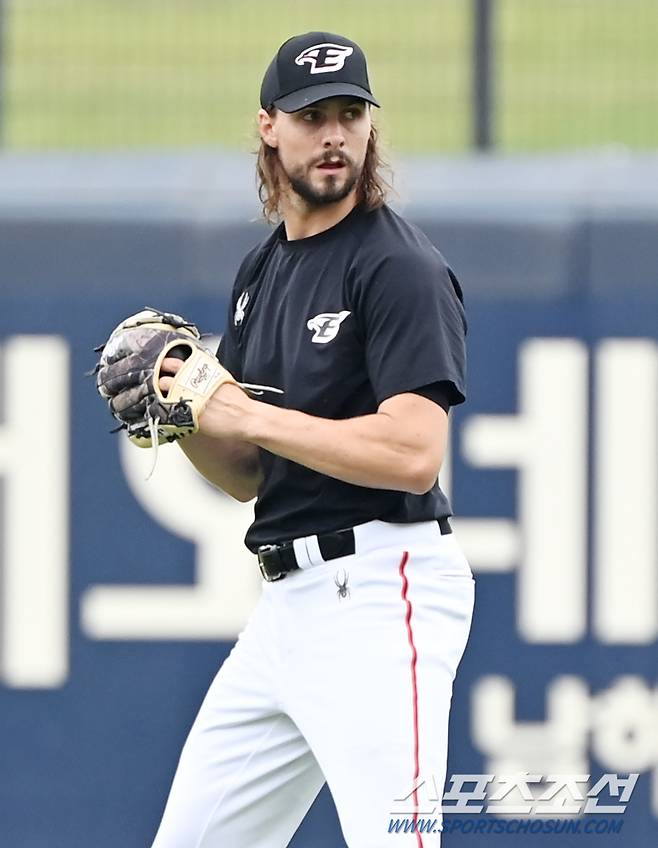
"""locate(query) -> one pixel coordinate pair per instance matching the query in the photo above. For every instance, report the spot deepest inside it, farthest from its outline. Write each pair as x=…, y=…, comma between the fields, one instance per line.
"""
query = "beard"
x=334, y=187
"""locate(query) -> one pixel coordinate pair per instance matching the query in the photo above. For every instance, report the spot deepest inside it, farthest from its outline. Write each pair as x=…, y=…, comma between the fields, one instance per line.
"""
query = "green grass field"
x=170, y=73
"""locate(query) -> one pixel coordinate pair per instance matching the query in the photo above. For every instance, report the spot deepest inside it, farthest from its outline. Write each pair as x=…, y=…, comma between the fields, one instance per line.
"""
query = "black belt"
x=276, y=561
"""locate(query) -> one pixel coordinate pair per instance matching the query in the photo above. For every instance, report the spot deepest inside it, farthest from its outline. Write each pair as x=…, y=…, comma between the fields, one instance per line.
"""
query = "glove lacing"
x=152, y=423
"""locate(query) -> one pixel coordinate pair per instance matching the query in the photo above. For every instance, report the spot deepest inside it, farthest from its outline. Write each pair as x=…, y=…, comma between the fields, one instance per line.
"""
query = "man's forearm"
x=370, y=450
x=400, y=447
x=229, y=464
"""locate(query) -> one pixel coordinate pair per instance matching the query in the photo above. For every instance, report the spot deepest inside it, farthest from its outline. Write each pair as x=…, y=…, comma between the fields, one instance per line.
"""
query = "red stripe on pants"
x=414, y=685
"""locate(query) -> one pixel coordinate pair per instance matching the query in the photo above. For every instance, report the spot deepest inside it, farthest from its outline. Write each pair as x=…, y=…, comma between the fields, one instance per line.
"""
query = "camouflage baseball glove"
x=129, y=371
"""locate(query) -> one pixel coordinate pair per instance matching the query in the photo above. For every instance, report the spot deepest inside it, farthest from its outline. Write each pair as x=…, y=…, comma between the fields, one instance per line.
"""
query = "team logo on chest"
x=240, y=307
x=326, y=325
x=324, y=58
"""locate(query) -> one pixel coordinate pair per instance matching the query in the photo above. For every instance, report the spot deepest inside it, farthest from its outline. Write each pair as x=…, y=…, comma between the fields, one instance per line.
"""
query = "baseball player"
x=344, y=672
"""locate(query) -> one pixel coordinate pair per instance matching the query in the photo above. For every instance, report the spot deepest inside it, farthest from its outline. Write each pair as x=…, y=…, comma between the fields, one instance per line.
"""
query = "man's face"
x=321, y=148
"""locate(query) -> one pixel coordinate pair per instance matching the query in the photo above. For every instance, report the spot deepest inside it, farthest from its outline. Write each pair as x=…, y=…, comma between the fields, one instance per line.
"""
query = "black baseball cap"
x=312, y=67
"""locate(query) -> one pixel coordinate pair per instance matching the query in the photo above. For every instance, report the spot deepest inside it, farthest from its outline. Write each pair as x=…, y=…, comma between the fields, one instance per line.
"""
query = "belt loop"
x=301, y=553
x=444, y=526
x=313, y=550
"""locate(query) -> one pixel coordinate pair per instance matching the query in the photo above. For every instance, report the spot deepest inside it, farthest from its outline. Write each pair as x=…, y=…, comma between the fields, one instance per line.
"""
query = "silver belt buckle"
x=268, y=576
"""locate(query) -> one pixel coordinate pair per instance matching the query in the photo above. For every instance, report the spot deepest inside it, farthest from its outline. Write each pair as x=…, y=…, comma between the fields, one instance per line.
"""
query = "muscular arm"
x=399, y=447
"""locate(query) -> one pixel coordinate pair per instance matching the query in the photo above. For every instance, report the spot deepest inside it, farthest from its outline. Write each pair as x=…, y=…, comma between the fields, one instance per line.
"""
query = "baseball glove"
x=129, y=370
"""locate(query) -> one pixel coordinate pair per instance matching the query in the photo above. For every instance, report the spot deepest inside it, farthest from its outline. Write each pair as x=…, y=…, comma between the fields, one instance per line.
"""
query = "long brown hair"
x=372, y=189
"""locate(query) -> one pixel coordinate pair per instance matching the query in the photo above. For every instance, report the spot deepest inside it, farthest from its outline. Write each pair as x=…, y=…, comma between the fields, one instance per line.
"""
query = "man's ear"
x=267, y=127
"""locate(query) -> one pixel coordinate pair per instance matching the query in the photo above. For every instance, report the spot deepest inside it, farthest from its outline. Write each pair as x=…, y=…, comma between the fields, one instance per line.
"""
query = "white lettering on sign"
x=227, y=580
x=557, y=745
x=625, y=590
x=621, y=722
x=34, y=465
x=490, y=544
x=547, y=442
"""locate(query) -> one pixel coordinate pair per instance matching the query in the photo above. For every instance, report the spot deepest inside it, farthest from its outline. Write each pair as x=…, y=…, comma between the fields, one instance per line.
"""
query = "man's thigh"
x=379, y=667
x=246, y=776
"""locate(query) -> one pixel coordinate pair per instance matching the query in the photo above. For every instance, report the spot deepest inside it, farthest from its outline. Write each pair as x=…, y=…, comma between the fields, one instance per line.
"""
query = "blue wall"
x=88, y=761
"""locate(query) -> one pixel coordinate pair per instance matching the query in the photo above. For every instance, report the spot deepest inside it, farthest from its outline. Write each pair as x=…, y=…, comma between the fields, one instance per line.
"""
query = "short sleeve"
x=412, y=318
x=439, y=393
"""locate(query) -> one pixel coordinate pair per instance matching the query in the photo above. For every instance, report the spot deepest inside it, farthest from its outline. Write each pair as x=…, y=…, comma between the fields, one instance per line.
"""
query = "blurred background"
x=555, y=74
x=524, y=139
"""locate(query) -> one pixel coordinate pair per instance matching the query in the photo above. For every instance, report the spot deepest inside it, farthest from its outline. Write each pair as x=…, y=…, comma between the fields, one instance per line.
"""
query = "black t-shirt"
x=340, y=321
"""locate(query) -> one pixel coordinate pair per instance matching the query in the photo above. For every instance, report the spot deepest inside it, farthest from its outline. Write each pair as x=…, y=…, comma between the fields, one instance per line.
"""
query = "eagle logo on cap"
x=324, y=58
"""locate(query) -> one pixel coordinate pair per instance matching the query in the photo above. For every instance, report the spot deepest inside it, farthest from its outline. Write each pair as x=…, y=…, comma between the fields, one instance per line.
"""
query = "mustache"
x=336, y=157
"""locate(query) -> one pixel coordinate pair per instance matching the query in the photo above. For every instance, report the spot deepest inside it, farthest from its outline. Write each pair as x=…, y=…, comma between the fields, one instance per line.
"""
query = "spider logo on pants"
x=341, y=584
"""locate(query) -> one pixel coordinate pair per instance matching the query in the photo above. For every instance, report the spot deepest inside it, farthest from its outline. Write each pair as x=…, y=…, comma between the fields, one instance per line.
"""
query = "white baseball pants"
x=351, y=686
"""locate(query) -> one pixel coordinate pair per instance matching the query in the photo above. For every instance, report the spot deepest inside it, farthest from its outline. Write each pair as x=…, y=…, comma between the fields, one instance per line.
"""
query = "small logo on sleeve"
x=240, y=307
x=326, y=325
x=324, y=58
